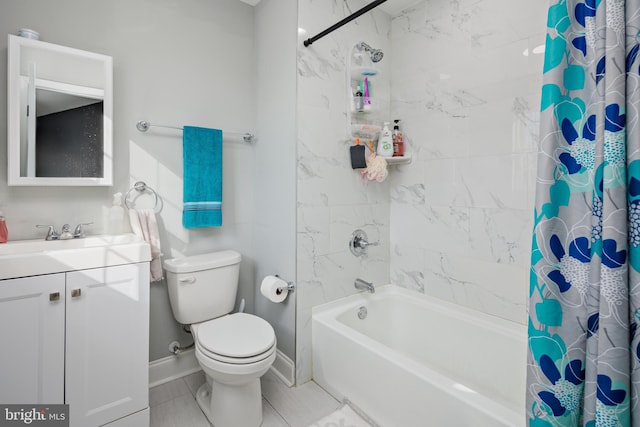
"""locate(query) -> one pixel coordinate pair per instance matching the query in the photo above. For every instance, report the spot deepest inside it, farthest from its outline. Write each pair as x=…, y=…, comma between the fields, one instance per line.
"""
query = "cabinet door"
x=32, y=331
x=107, y=359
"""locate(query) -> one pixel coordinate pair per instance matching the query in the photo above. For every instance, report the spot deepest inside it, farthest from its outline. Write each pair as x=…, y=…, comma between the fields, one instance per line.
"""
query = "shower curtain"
x=584, y=300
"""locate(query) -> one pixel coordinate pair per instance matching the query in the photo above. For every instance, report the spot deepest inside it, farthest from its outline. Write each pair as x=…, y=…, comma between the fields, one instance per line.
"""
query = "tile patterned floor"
x=173, y=404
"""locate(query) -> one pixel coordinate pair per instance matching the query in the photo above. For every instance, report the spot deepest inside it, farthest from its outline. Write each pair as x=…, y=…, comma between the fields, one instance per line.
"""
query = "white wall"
x=176, y=63
x=333, y=200
x=466, y=84
x=275, y=166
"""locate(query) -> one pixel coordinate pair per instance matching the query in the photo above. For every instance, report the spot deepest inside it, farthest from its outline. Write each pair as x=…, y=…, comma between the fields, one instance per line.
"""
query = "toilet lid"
x=236, y=335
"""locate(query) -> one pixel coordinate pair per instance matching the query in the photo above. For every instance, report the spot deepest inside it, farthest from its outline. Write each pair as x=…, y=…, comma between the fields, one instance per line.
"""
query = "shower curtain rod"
x=349, y=18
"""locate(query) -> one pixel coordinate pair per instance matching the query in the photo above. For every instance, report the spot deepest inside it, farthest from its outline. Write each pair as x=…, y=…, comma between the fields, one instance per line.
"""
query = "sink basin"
x=22, y=258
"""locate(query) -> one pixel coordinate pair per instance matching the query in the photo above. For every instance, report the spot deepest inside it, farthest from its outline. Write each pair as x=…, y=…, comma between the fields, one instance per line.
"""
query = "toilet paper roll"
x=270, y=289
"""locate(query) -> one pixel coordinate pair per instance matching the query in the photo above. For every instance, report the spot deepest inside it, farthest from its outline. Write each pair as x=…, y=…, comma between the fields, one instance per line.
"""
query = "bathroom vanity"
x=76, y=327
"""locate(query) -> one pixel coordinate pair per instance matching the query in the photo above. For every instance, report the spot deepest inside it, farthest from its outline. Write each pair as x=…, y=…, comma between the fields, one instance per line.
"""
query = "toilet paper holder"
x=290, y=286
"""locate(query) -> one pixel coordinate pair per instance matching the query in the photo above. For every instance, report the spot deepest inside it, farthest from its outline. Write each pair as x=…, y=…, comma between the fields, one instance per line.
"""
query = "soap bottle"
x=398, y=140
x=4, y=233
x=385, y=143
x=116, y=215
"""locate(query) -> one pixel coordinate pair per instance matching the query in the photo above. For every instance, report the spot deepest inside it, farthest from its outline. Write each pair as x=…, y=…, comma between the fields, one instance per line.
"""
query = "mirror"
x=59, y=115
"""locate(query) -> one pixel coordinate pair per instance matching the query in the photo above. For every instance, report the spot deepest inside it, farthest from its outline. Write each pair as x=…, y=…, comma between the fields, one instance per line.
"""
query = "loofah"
x=376, y=169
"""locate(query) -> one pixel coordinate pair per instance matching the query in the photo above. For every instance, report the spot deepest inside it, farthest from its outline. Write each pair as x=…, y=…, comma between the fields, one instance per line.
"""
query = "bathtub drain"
x=362, y=313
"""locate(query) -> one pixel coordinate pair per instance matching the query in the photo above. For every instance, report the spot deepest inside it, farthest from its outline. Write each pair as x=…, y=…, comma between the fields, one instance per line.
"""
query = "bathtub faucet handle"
x=360, y=242
x=363, y=243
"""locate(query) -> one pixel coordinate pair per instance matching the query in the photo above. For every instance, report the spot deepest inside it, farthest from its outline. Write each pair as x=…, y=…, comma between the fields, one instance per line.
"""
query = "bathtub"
x=418, y=361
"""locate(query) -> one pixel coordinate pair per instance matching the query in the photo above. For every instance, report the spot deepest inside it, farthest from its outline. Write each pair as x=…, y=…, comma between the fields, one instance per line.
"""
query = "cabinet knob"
x=54, y=296
x=76, y=293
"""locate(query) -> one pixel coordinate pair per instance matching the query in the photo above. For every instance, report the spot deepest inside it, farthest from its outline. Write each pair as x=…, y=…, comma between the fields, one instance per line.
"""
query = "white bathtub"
x=419, y=361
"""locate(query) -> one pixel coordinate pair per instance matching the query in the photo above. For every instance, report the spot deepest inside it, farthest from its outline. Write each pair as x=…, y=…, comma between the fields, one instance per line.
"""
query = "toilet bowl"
x=234, y=350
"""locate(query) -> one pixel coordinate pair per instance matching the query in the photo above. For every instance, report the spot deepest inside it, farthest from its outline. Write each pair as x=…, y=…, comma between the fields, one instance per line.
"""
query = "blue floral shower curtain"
x=584, y=305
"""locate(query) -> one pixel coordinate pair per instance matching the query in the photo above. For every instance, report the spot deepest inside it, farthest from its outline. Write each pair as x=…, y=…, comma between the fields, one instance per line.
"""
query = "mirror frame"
x=60, y=66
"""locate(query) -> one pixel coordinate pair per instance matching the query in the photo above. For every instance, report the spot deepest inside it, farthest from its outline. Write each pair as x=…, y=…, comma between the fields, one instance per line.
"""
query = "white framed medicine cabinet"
x=59, y=115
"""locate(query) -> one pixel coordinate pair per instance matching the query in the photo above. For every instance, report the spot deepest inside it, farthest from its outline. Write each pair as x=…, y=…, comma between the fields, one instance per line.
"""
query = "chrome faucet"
x=66, y=233
x=364, y=285
x=52, y=233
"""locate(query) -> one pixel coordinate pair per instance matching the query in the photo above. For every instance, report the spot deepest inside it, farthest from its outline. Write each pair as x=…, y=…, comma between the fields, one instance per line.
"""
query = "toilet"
x=233, y=349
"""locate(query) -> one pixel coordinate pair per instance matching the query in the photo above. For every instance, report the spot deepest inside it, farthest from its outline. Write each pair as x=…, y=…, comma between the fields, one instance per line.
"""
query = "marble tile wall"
x=333, y=200
x=464, y=77
x=465, y=81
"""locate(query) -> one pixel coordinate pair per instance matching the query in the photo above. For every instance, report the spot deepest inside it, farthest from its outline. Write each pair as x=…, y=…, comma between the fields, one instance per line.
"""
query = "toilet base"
x=231, y=405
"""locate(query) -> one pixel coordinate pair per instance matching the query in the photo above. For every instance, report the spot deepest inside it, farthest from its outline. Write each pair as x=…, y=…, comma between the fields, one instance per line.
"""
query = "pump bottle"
x=398, y=140
x=385, y=143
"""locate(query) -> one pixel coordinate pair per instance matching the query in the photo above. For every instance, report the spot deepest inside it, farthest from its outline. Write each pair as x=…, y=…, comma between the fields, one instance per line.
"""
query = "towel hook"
x=141, y=187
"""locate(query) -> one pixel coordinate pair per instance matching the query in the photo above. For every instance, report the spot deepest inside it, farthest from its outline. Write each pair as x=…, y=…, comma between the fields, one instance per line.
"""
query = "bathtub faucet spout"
x=364, y=285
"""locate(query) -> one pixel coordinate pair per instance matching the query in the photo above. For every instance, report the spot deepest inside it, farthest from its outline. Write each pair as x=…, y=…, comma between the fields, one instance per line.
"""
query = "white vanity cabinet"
x=32, y=332
x=81, y=338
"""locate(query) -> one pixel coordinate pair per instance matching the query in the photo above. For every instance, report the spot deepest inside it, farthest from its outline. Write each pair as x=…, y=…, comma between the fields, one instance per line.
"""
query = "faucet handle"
x=79, y=231
x=52, y=234
x=363, y=243
x=359, y=243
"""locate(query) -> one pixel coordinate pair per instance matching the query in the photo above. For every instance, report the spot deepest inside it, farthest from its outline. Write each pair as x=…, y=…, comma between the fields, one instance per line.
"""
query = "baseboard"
x=172, y=367
x=284, y=368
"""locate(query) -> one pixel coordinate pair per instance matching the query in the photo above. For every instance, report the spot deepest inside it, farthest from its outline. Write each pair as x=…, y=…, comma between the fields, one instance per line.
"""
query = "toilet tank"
x=202, y=287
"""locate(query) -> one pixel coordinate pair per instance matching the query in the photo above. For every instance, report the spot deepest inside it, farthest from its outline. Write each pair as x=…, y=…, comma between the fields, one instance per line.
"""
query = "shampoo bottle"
x=4, y=233
x=116, y=215
x=398, y=140
x=385, y=143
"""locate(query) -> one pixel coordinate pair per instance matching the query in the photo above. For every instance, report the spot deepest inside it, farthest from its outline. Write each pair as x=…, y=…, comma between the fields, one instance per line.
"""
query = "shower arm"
x=346, y=20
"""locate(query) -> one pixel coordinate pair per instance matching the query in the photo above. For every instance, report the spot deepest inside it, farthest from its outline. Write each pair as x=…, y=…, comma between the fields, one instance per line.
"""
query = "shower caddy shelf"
x=355, y=76
x=360, y=122
x=399, y=160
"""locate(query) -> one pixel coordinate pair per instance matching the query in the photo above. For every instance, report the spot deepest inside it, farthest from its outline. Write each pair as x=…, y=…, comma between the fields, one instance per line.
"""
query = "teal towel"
x=202, y=156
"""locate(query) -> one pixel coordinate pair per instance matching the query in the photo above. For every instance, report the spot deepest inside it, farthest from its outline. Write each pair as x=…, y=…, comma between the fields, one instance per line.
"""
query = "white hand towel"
x=144, y=224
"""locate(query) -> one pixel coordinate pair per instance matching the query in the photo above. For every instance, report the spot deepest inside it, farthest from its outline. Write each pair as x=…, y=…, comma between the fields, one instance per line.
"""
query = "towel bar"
x=144, y=126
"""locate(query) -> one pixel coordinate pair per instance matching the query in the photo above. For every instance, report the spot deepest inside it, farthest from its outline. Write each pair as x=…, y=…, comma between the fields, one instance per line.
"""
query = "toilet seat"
x=236, y=360
x=238, y=338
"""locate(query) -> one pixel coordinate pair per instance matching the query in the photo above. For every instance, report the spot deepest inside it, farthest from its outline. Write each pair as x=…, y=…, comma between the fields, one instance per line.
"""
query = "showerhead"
x=376, y=54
